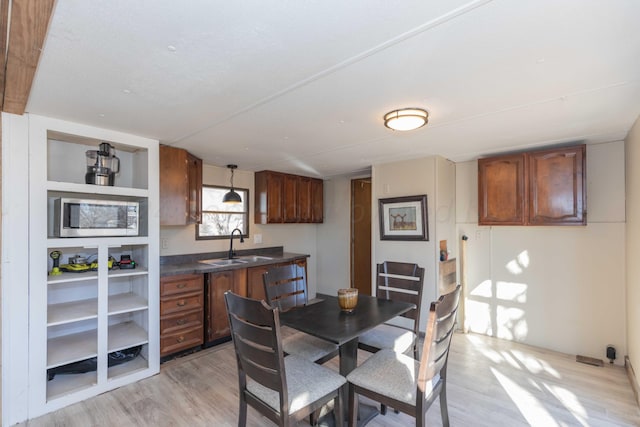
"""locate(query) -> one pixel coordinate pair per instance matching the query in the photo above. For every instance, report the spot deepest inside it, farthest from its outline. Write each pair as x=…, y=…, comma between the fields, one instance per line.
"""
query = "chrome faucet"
x=232, y=254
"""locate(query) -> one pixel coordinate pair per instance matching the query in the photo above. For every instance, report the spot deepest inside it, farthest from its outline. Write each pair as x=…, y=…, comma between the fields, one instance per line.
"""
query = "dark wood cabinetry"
x=193, y=312
x=255, y=285
x=216, y=313
x=501, y=190
x=286, y=198
x=180, y=187
x=534, y=188
x=181, y=304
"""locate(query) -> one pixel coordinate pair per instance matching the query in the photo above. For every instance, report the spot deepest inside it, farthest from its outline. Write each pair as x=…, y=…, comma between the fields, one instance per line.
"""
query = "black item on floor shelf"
x=115, y=358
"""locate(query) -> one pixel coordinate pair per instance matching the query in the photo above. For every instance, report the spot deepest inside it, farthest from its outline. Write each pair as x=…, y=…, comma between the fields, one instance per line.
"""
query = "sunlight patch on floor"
x=570, y=401
x=529, y=406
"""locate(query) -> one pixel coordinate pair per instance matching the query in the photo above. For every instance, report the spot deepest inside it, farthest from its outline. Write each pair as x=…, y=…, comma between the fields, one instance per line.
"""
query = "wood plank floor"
x=491, y=383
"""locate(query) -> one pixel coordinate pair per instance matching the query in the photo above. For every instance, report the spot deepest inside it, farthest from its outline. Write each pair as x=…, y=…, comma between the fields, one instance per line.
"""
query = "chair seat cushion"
x=388, y=336
x=390, y=374
x=307, y=346
x=306, y=383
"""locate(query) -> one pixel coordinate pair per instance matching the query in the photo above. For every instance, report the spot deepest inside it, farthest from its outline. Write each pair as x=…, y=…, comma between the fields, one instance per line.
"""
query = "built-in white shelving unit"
x=80, y=320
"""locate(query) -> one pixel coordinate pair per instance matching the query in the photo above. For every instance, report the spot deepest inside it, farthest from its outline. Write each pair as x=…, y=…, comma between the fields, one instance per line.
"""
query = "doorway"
x=361, y=235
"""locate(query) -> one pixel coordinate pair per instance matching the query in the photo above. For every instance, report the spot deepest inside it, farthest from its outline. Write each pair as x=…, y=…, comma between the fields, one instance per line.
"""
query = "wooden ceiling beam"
x=28, y=26
x=4, y=26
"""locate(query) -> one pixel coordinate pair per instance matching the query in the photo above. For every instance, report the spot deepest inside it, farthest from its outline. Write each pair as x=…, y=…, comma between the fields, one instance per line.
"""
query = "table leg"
x=348, y=353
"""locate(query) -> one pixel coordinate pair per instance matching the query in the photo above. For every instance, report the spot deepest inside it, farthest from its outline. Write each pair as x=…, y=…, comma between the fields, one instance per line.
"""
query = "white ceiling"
x=301, y=86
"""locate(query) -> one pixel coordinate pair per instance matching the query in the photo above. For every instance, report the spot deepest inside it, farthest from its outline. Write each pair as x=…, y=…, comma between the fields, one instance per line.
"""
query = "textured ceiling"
x=301, y=86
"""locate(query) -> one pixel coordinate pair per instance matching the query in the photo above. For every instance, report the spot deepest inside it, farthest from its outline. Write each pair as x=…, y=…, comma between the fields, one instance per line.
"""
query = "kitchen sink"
x=221, y=262
x=256, y=258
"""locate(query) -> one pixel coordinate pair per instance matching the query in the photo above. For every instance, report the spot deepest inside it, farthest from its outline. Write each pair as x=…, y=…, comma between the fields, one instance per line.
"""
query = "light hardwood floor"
x=491, y=383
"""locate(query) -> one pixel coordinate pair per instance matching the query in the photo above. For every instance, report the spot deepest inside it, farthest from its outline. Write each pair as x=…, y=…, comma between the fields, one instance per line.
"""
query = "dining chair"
x=404, y=383
x=284, y=389
x=402, y=282
x=285, y=288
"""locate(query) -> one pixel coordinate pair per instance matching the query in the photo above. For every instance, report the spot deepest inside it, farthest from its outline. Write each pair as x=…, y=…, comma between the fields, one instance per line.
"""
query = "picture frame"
x=404, y=218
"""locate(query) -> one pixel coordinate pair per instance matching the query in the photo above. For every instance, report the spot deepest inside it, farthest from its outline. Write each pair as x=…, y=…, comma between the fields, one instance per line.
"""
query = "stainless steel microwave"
x=95, y=218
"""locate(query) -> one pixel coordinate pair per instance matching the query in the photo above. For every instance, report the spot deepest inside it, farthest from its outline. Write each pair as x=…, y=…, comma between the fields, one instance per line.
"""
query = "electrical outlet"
x=257, y=238
x=164, y=243
x=478, y=234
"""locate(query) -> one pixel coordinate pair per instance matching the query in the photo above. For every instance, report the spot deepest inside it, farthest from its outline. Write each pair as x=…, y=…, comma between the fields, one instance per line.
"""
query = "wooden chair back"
x=401, y=281
x=285, y=287
x=255, y=331
x=435, y=350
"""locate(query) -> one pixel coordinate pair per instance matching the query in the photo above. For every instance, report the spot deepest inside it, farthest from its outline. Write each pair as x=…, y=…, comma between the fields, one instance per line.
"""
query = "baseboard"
x=632, y=378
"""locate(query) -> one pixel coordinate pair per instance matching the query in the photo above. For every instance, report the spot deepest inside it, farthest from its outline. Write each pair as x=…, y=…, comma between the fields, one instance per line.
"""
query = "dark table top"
x=325, y=320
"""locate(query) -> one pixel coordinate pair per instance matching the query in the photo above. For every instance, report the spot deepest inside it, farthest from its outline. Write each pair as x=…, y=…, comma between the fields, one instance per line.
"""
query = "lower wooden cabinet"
x=181, y=312
x=193, y=313
x=216, y=310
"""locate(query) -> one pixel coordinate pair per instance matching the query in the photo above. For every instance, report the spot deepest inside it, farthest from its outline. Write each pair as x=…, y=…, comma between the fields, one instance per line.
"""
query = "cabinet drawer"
x=177, y=322
x=182, y=283
x=181, y=303
x=181, y=340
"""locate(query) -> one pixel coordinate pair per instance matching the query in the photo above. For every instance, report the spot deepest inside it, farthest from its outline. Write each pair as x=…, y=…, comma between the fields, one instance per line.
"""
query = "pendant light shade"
x=406, y=119
x=232, y=196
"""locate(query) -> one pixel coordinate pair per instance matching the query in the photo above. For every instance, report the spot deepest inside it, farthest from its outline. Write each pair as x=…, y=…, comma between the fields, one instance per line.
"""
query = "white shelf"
x=126, y=303
x=138, y=271
x=71, y=348
x=92, y=242
x=62, y=385
x=127, y=368
x=75, y=317
x=125, y=335
x=66, y=277
x=72, y=187
x=73, y=311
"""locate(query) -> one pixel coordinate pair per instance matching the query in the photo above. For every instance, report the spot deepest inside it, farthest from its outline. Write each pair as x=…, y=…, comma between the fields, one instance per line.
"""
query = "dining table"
x=324, y=319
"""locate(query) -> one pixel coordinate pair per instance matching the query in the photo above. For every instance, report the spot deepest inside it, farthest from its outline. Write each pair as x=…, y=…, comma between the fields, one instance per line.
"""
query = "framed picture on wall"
x=404, y=218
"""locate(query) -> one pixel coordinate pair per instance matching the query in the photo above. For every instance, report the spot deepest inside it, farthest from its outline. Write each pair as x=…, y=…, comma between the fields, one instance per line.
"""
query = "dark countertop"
x=188, y=264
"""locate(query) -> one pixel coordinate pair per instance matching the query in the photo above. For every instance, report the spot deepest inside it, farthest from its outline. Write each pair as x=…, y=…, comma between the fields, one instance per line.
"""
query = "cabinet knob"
x=181, y=303
x=180, y=339
x=181, y=285
x=181, y=322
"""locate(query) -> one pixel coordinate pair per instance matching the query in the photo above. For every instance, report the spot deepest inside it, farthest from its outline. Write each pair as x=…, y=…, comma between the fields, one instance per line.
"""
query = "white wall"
x=632, y=156
x=561, y=288
x=298, y=238
x=334, y=235
x=435, y=177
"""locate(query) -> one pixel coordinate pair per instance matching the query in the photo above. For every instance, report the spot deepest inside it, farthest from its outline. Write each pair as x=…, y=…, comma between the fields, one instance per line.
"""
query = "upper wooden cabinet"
x=281, y=198
x=534, y=188
x=180, y=187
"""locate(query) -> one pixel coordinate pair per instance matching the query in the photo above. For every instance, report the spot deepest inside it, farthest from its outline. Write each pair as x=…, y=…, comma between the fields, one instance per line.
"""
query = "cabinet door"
x=501, y=187
x=305, y=199
x=180, y=187
x=290, y=198
x=270, y=198
x=195, y=189
x=255, y=285
x=317, y=203
x=219, y=283
x=174, y=180
x=557, y=187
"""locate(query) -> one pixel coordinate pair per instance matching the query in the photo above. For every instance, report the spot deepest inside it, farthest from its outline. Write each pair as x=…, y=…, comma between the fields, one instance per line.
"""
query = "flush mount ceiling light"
x=232, y=196
x=406, y=119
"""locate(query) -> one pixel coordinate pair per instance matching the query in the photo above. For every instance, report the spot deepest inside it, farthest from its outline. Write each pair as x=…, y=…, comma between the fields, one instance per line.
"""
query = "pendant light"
x=232, y=196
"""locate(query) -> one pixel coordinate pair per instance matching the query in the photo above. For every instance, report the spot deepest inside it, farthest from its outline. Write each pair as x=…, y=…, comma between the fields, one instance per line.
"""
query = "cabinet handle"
x=181, y=303
x=181, y=321
x=180, y=339
x=181, y=285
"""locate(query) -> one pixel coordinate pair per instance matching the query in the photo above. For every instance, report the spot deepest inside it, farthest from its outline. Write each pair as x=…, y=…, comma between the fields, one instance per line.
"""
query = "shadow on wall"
x=498, y=308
